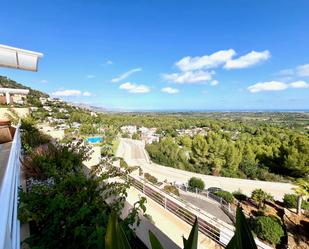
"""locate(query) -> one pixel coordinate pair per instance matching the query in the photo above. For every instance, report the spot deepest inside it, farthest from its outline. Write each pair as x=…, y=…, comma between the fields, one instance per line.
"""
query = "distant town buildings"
x=47, y=108
x=75, y=125
x=193, y=131
x=130, y=129
x=55, y=120
x=148, y=135
x=43, y=100
x=93, y=114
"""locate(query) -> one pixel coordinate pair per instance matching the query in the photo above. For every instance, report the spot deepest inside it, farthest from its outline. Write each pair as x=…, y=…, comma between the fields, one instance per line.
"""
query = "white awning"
x=19, y=58
x=14, y=90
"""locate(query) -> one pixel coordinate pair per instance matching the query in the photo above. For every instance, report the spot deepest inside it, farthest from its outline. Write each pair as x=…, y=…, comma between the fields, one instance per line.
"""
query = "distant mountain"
x=90, y=107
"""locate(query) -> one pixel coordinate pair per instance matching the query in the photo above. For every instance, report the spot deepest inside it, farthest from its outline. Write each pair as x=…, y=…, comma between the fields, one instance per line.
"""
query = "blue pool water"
x=94, y=140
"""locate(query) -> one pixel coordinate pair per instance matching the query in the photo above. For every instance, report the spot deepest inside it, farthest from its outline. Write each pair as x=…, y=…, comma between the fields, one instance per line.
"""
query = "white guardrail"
x=215, y=229
x=9, y=224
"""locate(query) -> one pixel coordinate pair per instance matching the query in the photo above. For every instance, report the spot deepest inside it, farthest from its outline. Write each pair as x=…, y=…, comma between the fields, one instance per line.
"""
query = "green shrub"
x=136, y=136
x=125, y=135
x=227, y=196
x=31, y=136
x=72, y=211
x=260, y=197
x=290, y=201
x=267, y=228
x=171, y=189
x=123, y=164
x=53, y=161
x=46, y=208
x=70, y=214
x=195, y=182
x=150, y=178
x=305, y=205
x=259, y=212
x=240, y=196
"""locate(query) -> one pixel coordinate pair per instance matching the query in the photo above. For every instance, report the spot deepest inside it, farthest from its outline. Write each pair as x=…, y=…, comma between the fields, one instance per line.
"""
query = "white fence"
x=215, y=229
x=9, y=224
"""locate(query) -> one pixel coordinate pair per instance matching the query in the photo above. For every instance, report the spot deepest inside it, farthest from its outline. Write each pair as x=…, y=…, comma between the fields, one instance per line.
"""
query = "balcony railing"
x=9, y=224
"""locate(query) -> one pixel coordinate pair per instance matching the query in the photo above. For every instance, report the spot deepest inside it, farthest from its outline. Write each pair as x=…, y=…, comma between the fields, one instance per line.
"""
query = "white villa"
x=11, y=96
x=131, y=129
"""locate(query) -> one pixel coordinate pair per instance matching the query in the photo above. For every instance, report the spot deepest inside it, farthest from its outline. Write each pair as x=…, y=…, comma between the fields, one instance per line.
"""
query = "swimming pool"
x=94, y=140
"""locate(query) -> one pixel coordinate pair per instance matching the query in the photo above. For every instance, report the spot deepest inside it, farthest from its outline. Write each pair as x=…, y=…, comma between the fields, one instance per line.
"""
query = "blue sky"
x=149, y=55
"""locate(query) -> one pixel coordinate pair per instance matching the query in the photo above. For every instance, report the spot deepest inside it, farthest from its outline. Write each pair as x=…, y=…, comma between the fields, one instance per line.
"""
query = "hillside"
x=33, y=96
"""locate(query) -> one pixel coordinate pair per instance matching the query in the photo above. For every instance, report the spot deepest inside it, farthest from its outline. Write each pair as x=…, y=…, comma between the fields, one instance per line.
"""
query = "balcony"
x=9, y=183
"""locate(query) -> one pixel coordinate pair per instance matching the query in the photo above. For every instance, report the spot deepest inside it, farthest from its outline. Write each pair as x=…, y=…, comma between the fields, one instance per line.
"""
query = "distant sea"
x=219, y=110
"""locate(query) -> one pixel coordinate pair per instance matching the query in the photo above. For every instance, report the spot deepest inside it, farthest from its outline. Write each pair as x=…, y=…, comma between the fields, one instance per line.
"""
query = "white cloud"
x=205, y=62
x=44, y=81
x=286, y=72
x=299, y=84
x=90, y=76
x=71, y=92
x=276, y=86
x=222, y=57
x=109, y=62
x=125, y=75
x=134, y=88
x=170, y=90
x=193, y=69
x=214, y=82
x=290, y=73
x=87, y=94
x=189, y=77
x=247, y=60
x=303, y=70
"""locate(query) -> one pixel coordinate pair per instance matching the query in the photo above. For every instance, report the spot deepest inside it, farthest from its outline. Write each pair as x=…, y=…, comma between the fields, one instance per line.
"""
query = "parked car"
x=214, y=189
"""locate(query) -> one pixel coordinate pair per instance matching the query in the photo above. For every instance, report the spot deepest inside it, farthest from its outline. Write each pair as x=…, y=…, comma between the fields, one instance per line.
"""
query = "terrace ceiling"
x=19, y=58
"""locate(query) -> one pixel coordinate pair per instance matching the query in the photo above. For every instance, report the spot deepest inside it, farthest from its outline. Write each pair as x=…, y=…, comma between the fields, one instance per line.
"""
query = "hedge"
x=227, y=196
x=150, y=178
x=290, y=201
x=268, y=228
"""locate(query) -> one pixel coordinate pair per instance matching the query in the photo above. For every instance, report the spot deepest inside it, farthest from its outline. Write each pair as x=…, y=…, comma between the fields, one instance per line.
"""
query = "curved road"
x=134, y=153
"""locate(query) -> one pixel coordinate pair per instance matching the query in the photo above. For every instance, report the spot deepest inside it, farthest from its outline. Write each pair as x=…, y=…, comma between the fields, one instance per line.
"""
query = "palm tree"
x=302, y=190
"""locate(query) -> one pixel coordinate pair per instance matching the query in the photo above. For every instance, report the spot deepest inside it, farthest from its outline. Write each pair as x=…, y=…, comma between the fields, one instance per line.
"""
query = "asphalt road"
x=208, y=207
x=134, y=153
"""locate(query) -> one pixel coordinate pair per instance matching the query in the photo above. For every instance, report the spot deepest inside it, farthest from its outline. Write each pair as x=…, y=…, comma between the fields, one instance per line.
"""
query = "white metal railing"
x=215, y=229
x=9, y=224
x=207, y=194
